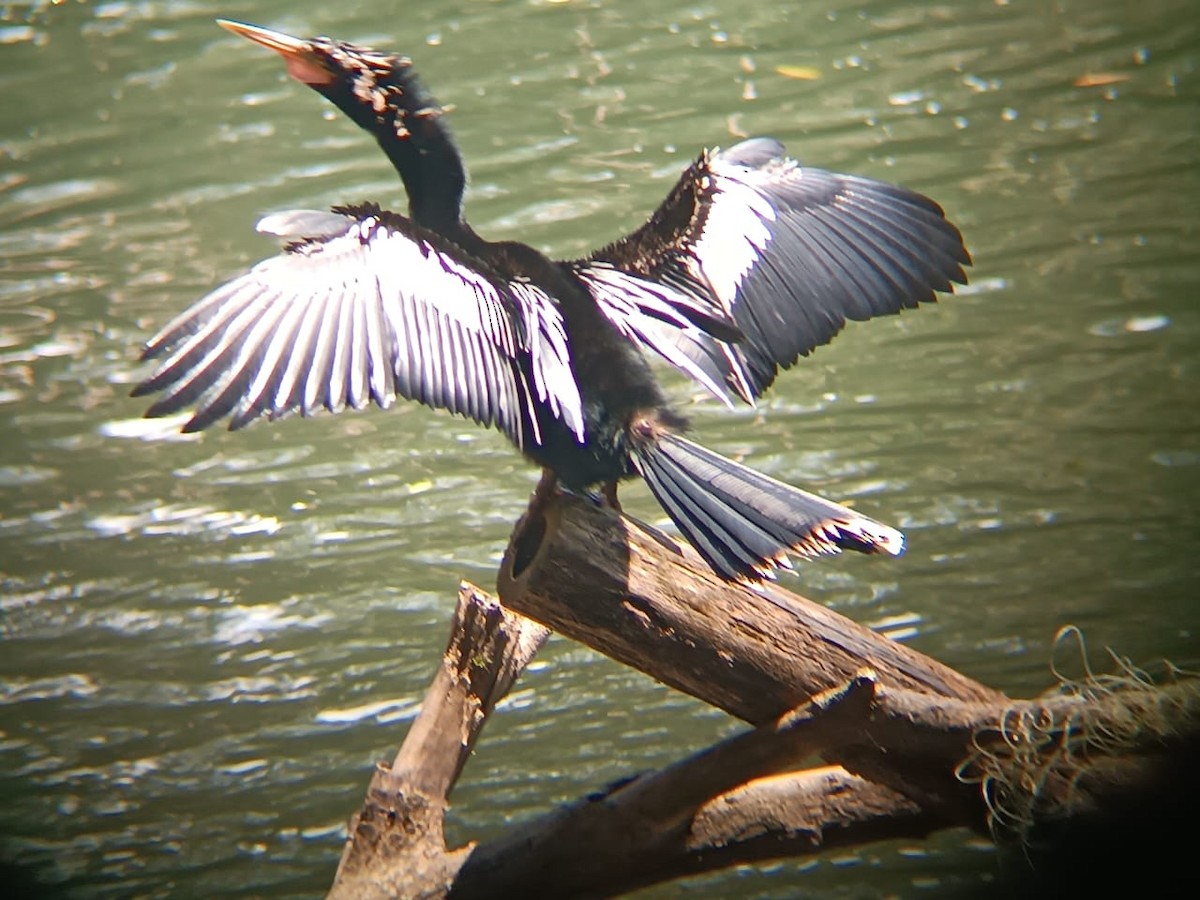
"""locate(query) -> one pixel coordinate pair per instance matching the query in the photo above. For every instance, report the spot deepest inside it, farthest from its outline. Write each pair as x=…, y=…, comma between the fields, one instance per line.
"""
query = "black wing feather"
x=784, y=253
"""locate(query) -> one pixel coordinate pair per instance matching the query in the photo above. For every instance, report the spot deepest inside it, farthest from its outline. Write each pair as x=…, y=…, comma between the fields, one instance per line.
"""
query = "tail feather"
x=732, y=544
x=745, y=523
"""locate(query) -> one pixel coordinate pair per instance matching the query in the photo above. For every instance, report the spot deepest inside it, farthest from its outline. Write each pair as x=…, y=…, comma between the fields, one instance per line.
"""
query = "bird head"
x=382, y=94
x=379, y=91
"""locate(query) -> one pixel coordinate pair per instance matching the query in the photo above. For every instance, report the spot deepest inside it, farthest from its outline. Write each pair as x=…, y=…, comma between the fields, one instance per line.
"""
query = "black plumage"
x=751, y=262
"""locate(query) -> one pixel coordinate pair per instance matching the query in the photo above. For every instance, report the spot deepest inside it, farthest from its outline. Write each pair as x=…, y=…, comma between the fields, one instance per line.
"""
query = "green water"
x=207, y=642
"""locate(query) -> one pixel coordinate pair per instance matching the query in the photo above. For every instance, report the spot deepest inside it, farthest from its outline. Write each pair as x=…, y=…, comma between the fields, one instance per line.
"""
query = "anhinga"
x=751, y=262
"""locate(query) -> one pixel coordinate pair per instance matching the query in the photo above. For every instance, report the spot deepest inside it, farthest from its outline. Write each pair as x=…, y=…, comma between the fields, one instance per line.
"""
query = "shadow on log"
x=911, y=745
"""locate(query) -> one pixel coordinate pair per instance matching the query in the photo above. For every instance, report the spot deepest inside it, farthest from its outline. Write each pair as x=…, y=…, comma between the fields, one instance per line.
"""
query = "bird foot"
x=609, y=493
x=547, y=488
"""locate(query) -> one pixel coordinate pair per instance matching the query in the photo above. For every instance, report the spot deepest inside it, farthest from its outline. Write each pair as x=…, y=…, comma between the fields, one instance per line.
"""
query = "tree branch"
x=693, y=816
x=396, y=840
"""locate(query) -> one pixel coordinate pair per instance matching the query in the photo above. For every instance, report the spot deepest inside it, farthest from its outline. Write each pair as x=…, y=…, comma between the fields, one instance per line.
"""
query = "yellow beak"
x=303, y=62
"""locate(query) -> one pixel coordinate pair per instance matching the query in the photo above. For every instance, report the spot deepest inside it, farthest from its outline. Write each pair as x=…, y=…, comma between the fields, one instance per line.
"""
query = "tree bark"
x=617, y=585
x=396, y=846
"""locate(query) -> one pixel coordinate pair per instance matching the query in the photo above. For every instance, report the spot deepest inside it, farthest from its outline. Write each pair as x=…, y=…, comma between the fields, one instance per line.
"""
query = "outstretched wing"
x=783, y=252
x=367, y=306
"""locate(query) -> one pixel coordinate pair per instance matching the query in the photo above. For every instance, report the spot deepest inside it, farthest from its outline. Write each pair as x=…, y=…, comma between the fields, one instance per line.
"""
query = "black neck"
x=420, y=146
x=430, y=167
x=410, y=127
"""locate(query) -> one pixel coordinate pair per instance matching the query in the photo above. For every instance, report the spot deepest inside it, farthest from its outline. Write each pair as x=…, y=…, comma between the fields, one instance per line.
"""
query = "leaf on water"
x=1100, y=79
x=803, y=73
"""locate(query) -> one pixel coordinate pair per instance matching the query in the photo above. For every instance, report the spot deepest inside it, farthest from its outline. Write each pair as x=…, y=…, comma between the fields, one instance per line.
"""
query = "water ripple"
x=73, y=684
x=157, y=519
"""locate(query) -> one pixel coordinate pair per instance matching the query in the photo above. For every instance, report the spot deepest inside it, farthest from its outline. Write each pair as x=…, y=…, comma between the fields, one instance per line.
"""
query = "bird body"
x=749, y=263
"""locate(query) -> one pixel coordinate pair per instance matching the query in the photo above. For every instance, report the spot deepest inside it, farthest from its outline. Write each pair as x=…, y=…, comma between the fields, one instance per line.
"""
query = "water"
x=207, y=642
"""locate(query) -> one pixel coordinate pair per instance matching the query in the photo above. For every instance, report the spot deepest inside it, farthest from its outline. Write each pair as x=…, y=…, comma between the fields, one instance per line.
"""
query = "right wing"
x=778, y=253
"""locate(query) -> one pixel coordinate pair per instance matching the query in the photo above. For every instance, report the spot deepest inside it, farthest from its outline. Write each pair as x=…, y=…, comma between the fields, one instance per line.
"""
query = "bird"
x=752, y=261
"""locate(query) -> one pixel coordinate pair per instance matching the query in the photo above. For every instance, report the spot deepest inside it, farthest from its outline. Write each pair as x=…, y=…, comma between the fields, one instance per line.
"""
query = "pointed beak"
x=303, y=62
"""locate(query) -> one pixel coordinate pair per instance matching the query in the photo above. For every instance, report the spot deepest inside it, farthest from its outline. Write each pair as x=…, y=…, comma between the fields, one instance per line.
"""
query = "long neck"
x=410, y=127
x=424, y=153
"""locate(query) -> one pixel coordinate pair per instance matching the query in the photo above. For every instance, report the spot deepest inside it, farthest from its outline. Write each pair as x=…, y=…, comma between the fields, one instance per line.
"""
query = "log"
x=709, y=811
x=719, y=807
x=650, y=602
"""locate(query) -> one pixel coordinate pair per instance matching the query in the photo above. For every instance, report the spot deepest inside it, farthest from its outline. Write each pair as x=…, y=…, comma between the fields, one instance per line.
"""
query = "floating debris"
x=801, y=73
x=1100, y=79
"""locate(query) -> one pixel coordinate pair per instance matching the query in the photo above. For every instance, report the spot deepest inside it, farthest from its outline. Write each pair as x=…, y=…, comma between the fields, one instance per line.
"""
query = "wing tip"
x=871, y=537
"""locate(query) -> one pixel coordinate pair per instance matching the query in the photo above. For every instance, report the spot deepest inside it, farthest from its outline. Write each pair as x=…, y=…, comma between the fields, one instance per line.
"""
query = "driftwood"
x=910, y=745
x=396, y=845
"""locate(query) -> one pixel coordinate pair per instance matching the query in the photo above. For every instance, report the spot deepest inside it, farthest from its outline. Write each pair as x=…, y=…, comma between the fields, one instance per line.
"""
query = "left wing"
x=364, y=305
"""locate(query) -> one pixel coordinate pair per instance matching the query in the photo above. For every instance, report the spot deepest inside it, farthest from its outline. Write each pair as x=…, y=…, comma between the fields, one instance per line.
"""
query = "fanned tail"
x=745, y=523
